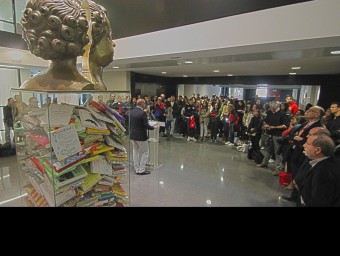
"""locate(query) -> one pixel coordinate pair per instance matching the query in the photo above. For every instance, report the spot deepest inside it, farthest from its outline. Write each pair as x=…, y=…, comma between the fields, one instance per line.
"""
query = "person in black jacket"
x=321, y=185
x=8, y=118
x=138, y=135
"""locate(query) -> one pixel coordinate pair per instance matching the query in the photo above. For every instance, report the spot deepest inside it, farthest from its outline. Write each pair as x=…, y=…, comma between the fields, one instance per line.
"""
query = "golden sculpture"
x=102, y=48
x=57, y=31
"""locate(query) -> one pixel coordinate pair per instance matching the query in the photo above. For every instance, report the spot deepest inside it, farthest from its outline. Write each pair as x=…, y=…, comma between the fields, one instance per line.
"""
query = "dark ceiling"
x=134, y=17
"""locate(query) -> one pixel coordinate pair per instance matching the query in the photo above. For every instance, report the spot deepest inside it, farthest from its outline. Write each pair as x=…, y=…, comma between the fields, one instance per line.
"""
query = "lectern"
x=153, y=146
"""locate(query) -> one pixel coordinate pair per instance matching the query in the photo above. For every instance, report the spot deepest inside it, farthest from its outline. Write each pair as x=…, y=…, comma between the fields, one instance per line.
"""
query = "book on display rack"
x=73, y=155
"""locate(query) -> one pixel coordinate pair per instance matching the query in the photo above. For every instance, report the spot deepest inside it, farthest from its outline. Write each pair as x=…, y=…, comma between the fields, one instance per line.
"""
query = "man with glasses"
x=320, y=186
x=296, y=157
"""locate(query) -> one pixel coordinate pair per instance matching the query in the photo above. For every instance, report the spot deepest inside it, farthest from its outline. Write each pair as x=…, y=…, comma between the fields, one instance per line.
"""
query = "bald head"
x=141, y=103
x=318, y=131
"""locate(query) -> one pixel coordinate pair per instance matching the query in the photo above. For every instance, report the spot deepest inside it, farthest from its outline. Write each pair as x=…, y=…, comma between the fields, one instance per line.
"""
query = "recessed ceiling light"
x=115, y=67
x=296, y=68
x=216, y=71
x=230, y=75
x=185, y=75
x=335, y=52
x=292, y=73
x=164, y=73
x=188, y=62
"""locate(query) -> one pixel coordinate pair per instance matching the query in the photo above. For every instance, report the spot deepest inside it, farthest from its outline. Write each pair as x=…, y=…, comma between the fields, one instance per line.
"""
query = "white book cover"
x=111, y=142
x=88, y=121
x=57, y=115
x=101, y=166
x=116, y=122
x=99, y=115
x=65, y=142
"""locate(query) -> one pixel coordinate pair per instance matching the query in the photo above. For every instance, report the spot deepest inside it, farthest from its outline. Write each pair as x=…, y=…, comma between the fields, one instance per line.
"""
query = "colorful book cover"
x=90, y=181
x=60, y=166
x=115, y=113
x=68, y=178
x=98, y=106
x=96, y=131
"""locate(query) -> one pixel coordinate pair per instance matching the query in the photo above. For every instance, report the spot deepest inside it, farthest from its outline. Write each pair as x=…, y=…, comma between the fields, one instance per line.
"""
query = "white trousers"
x=140, y=155
x=173, y=123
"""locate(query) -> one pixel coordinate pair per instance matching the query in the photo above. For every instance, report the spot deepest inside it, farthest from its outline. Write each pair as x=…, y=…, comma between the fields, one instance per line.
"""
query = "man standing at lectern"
x=139, y=137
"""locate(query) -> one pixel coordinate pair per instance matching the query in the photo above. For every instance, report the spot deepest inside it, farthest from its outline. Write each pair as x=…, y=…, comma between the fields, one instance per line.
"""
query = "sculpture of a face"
x=102, y=50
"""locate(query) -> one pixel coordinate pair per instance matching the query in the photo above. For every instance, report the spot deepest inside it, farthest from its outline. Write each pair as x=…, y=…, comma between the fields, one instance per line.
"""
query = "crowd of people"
x=279, y=136
x=276, y=135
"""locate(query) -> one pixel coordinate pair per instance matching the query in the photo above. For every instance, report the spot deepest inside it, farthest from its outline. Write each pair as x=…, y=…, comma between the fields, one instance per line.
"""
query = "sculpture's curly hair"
x=99, y=21
x=55, y=29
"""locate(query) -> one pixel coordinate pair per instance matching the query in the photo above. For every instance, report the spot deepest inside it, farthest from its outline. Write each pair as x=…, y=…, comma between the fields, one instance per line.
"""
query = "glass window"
x=20, y=6
x=12, y=81
x=9, y=27
x=6, y=10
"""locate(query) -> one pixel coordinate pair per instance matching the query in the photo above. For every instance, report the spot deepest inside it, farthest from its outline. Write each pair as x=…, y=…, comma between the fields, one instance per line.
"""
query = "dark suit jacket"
x=321, y=185
x=139, y=125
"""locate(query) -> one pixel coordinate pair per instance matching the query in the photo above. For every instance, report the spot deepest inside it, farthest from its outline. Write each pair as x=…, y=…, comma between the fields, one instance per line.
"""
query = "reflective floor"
x=191, y=174
x=205, y=174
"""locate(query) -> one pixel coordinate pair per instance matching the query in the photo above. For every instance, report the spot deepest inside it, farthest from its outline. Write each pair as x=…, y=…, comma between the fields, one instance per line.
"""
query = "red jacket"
x=293, y=107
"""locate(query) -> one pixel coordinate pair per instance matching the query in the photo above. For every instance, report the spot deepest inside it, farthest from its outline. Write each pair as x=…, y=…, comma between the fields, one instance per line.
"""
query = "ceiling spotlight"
x=216, y=71
x=188, y=62
x=230, y=75
x=164, y=73
x=115, y=67
x=335, y=52
x=292, y=74
x=296, y=68
x=185, y=75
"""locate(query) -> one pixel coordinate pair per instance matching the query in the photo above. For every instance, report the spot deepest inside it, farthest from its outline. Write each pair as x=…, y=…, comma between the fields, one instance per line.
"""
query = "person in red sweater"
x=293, y=107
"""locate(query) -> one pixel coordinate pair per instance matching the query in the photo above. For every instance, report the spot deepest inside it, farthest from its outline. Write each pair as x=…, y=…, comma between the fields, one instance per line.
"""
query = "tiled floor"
x=192, y=174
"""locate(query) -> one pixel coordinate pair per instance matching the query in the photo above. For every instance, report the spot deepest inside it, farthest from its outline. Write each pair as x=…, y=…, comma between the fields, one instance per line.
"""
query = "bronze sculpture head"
x=56, y=30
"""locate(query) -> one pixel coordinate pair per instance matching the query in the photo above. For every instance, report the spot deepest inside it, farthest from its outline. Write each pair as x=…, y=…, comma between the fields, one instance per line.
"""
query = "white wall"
x=25, y=74
x=189, y=89
x=180, y=89
x=202, y=89
x=117, y=81
x=295, y=23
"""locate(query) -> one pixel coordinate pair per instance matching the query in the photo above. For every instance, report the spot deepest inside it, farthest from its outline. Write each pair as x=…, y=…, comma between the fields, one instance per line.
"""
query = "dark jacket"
x=176, y=110
x=139, y=125
x=8, y=116
x=333, y=126
x=321, y=185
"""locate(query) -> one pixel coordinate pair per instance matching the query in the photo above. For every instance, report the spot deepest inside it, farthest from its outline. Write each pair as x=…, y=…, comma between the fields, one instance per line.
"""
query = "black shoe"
x=143, y=173
x=288, y=198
